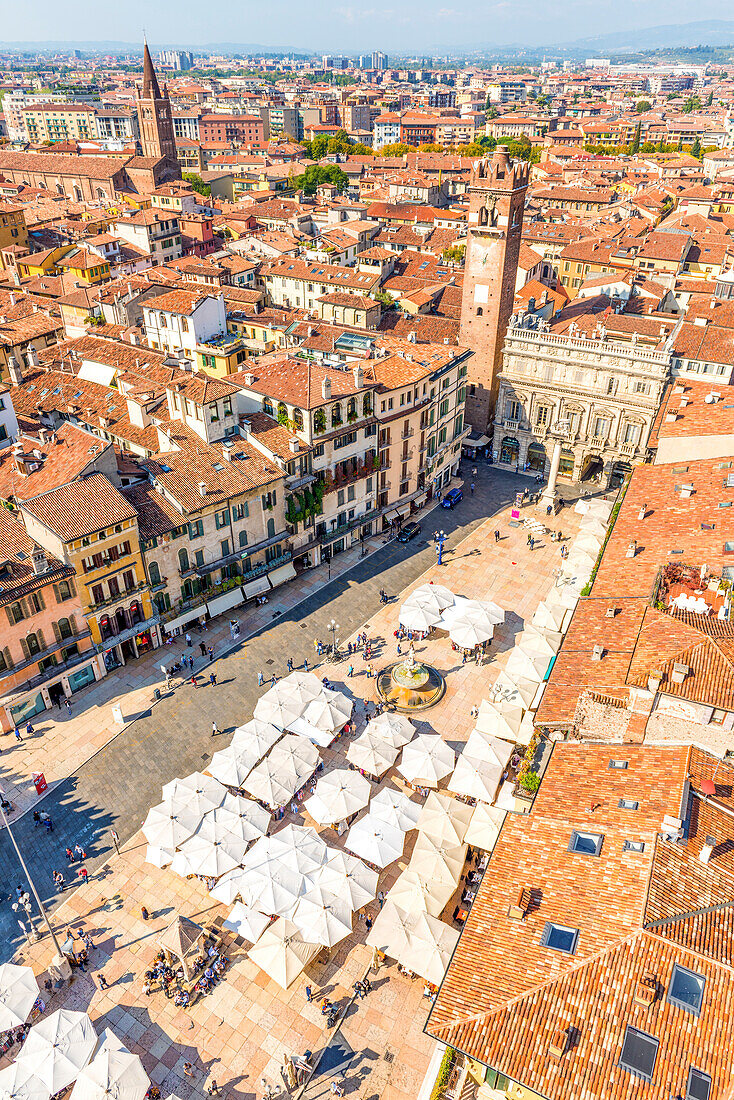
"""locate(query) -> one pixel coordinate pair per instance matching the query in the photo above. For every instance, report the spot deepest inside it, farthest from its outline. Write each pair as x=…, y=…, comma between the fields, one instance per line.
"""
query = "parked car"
x=408, y=532
x=452, y=498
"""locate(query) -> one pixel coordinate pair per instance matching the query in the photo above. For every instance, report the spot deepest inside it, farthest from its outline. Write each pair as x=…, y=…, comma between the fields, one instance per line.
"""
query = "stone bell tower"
x=496, y=204
x=154, y=114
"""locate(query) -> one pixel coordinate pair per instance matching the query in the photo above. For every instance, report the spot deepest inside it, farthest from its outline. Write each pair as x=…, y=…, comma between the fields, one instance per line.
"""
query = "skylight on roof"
x=639, y=1053
x=698, y=1086
x=559, y=938
x=686, y=989
x=585, y=844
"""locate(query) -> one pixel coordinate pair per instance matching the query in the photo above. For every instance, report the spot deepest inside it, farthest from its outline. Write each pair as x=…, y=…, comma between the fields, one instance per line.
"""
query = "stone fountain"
x=409, y=686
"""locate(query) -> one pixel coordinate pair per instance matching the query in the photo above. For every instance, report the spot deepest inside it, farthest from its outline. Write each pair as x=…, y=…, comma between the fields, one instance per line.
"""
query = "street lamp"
x=440, y=540
x=24, y=903
x=39, y=903
x=333, y=626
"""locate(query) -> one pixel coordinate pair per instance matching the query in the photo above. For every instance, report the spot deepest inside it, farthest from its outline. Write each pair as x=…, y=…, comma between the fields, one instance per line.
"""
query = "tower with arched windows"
x=496, y=205
x=154, y=114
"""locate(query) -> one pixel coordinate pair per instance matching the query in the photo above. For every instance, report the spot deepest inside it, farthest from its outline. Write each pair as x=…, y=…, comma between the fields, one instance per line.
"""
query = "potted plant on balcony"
x=319, y=421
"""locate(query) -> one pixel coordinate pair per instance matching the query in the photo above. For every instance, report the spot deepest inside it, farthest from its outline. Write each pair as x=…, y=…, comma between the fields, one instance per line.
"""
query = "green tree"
x=635, y=146
x=397, y=149
x=696, y=149
x=386, y=300
x=693, y=103
x=643, y=105
x=317, y=174
x=710, y=100
x=492, y=112
x=197, y=183
x=455, y=253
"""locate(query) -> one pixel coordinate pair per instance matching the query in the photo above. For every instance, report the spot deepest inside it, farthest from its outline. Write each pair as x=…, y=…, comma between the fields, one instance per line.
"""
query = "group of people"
x=208, y=968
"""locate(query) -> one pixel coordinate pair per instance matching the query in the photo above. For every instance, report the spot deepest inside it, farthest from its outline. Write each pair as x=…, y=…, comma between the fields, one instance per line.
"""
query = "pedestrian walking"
x=83, y=874
x=350, y=672
x=532, y=543
x=336, y=1089
x=102, y=981
x=144, y=913
x=471, y=488
x=289, y=664
x=368, y=924
x=309, y=996
x=529, y=539
x=473, y=471
x=68, y=707
x=305, y=665
x=213, y=1089
x=16, y=731
x=189, y=642
x=381, y=898
x=210, y=651
x=79, y=852
x=215, y=729
x=212, y=679
x=29, y=731
x=58, y=879
x=496, y=536
x=188, y=1069
x=69, y=855
x=48, y=823
x=359, y=990
x=194, y=681
x=260, y=679
x=202, y=647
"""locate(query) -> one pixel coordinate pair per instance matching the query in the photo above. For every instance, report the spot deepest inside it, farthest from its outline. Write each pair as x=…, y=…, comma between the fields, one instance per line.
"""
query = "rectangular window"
x=699, y=1085
x=686, y=989
x=221, y=519
x=585, y=844
x=196, y=529
x=620, y=764
x=628, y=804
x=224, y=546
x=351, y=496
x=639, y=1052
x=243, y=538
x=240, y=511
x=601, y=427
x=340, y=498
x=542, y=415
x=199, y=558
x=634, y=846
x=560, y=938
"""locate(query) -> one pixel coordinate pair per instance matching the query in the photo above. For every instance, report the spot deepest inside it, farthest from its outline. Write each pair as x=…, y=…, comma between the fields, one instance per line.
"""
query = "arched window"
x=65, y=630
x=366, y=405
x=155, y=573
x=336, y=415
x=480, y=311
x=352, y=408
x=105, y=627
x=34, y=646
x=183, y=560
x=298, y=419
x=268, y=406
x=136, y=613
x=282, y=413
x=271, y=528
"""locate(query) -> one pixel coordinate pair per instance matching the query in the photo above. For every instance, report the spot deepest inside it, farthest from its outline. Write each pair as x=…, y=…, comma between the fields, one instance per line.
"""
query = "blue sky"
x=348, y=25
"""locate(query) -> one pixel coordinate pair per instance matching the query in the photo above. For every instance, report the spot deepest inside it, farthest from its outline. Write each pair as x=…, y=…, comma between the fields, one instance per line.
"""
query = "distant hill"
x=709, y=32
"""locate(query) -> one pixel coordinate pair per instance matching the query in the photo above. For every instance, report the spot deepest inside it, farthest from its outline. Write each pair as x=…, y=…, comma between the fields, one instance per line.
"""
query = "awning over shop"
x=403, y=510
x=476, y=441
x=420, y=499
x=254, y=588
x=391, y=515
x=185, y=617
x=223, y=603
x=282, y=574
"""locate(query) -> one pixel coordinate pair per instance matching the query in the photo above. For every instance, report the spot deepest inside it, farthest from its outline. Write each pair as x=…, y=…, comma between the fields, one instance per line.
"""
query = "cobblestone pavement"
x=242, y=1030
x=115, y=786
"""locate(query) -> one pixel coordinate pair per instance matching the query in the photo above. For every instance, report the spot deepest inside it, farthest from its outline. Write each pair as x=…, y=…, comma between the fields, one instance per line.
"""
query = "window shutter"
x=72, y=624
x=57, y=593
x=24, y=647
x=10, y=617
x=25, y=608
x=41, y=640
x=72, y=585
x=41, y=600
x=8, y=658
x=57, y=632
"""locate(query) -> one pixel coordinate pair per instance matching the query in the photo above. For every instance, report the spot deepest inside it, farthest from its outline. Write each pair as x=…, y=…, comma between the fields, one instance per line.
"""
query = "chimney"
x=646, y=990
x=358, y=377
x=708, y=849
x=32, y=357
x=597, y=653
x=679, y=672
x=16, y=375
x=643, y=511
x=202, y=489
x=654, y=679
x=519, y=909
x=631, y=549
x=293, y=446
x=38, y=558
x=558, y=1043
x=326, y=388
x=249, y=379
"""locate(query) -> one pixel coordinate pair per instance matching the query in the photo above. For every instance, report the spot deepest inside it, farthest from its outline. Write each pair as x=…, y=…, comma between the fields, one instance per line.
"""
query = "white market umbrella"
x=475, y=778
x=181, y=866
x=527, y=729
x=485, y=825
x=499, y=719
x=549, y=615
x=375, y=841
x=242, y=816
x=58, y=1048
x=294, y=748
x=570, y=594
x=246, y=922
x=339, y=794
x=579, y=562
x=430, y=949
x=434, y=596
x=414, y=617
x=588, y=543
x=300, y=838
x=256, y=737
x=312, y=733
x=413, y=893
x=196, y=793
x=486, y=747
x=306, y=684
x=228, y=886
x=278, y=711
x=232, y=765
x=113, y=1074
x=323, y=918
x=213, y=857
x=484, y=610
x=426, y=760
x=159, y=857
x=391, y=930
x=516, y=690
x=534, y=640
x=18, y=1082
x=282, y=952
x=396, y=809
x=467, y=635
x=271, y=888
x=164, y=828
x=347, y=877
x=592, y=525
x=371, y=754
x=269, y=783
x=18, y=992
x=329, y=713
x=435, y=862
x=444, y=818
x=393, y=728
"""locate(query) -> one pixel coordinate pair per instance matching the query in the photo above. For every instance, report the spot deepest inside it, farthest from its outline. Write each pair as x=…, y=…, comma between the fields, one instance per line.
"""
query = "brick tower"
x=496, y=205
x=154, y=114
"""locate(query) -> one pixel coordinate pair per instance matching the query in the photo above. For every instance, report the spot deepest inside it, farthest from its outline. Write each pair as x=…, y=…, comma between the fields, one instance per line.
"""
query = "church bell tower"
x=154, y=114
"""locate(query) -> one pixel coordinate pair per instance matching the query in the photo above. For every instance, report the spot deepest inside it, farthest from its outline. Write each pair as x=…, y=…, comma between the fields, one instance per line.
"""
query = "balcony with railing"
x=344, y=528
x=108, y=601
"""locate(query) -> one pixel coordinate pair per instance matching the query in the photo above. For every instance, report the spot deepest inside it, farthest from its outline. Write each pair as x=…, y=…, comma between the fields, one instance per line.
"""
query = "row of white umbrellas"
x=468, y=622
x=416, y=939
x=63, y=1049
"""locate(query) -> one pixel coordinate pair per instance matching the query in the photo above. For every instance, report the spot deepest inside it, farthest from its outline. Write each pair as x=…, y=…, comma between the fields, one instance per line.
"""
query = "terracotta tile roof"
x=274, y=436
x=66, y=454
x=16, y=567
x=81, y=508
x=297, y=382
x=184, y=302
x=97, y=168
x=156, y=514
x=505, y=998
